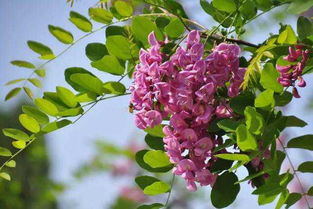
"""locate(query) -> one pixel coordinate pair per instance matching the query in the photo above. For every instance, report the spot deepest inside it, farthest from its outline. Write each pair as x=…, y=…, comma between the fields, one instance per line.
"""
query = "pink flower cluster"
x=289, y=74
x=183, y=89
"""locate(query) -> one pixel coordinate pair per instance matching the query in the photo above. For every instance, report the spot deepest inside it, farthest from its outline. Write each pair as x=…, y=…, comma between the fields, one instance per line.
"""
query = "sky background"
x=109, y=120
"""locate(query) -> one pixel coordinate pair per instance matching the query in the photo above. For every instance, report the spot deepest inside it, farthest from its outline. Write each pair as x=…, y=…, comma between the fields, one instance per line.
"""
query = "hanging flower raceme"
x=183, y=88
x=292, y=72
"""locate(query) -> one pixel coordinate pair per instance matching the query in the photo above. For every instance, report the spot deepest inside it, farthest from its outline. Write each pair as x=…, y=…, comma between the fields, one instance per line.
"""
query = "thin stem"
x=170, y=192
x=294, y=172
x=16, y=153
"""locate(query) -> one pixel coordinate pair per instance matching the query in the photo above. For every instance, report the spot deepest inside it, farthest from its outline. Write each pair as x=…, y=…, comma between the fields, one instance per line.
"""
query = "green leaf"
x=302, y=142
x=15, y=81
x=46, y=107
x=29, y=123
x=11, y=164
x=156, y=159
x=264, y=199
x=22, y=63
x=292, y=199
x=13, y=93
x=310, y=192
x=19, y=144
x=139, y=159
x=53, y=126
x=125, y=9
x=152, y=206
x=283, y=99
x=71, y=112
x=29, y=92
x=252, y=176
x=36, y=82
x=248, y=9
x=5, y=176
x=119, y=46
x=41, y=72
x=304, y=27
x=239, y=103
x=269, y=77
x=141, y=33
x=254, y=120
x=66, y=96
x=60, y=34
x=109, y=64
x=293, y=121
x=161, y=22
x=5, y=152
x=100, y=15
x=155, y=131
x=157, y=188
x=95, y=51
x=86, y=97
x=154, y=142
x=73, y=70
x=265, y=99
x=15, y=134
x=80, y=21
x=175, y=28
x=88, y=82
x=282, y=199
x=44, y=51
x=144, y=181
x=245, y=139
x=35, y=113
x=114, y=30
x=299, y=6
x=225, y=184
x=288, y=36
x=234, y=157
x=225, y=5
x=306, y=167
x=270, y=188
x=113, y=87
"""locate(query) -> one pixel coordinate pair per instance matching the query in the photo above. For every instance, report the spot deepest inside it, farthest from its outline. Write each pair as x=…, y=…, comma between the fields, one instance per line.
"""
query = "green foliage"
x=95, y=51
x=88, y=82
x=119, y=46
x=80, y=21
x=302, y=142
x=245, y=140
x=265, y=99
x=234, y=157
x=151, y=185
x=139, y=159
x=304, y=27
x=155, y=131
x=60, y=34
x=100, y=15
x=113, y=87
x=269, y=77
x=156, y=159
x=46, y=106
x=125, y=9
x=44, y=51
x=154, y=142
x=109, y=64
x=225, y=184
x=22, y=63
x=225, y=5
x=228, y=125
x=306, y=167
x=29, y=123
x=175, y=28
x=152, y=206
x=254, y=120
x=13, y=93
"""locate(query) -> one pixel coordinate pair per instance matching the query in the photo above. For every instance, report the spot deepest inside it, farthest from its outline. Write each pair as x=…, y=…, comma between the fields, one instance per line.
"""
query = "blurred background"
x=89, y=165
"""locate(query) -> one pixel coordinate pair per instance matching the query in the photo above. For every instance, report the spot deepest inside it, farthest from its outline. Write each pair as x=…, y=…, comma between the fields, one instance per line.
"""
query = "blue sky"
x=69, y=148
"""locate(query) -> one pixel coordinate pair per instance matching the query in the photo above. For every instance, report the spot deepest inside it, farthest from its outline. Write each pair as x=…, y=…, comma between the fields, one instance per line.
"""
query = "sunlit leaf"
x=254, y=120
x=113, y=87
x=245, y=139
x=157, y=188
x=35, y=113
x=13, y=93
x=95, y=51
x=29, y=123
x=11, y=164
x=100, y=15
x=44, y=51
x=15, y=134
x=80, y=21
x=125, y=9
x=5, y=152
x=302, y=142
x=22, y=63
x=109, y=64
x=60, y=34
x=66, y=96
x=88, y=82
x=46, y=107
x=156, y=159
x=234, y=157
x=53, y=126
x=19, y=144
x=5, y=176
x=269, y=77
x=14, y=81
x=119, y=46
x=36, y=82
